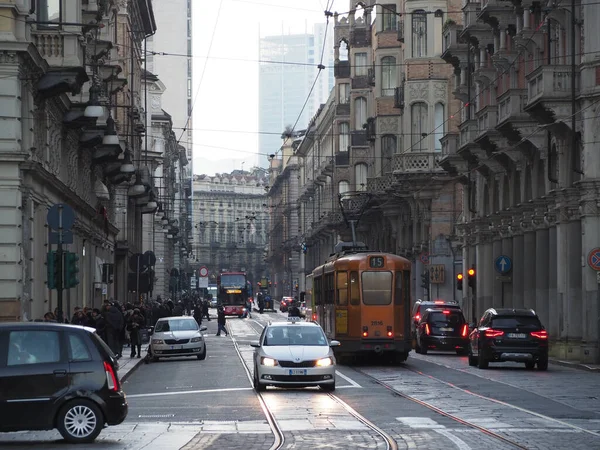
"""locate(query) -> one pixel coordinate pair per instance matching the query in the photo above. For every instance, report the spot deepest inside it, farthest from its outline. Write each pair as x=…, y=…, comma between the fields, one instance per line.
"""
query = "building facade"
x=526, y=77
x=231, y=223
x=369, y=154
x=70, y=96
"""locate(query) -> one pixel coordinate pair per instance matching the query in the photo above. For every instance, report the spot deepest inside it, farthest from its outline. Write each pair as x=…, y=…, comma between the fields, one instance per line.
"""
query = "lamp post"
x=291, y=273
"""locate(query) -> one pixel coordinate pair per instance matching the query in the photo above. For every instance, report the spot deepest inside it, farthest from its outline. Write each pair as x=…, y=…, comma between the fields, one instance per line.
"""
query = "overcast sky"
x=225, y=86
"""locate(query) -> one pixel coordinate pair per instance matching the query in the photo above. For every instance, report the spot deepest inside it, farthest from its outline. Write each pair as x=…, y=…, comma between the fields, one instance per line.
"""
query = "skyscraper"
x=286, y=73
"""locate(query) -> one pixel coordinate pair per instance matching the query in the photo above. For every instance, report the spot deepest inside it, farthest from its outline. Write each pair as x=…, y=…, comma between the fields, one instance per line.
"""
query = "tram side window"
x=329, y=286
x=398, y=292
x=342, y=288
x=354, y=291
x=318, y=292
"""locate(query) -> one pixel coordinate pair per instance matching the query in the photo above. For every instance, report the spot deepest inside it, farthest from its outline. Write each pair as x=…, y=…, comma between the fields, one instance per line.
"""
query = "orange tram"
x=362, y=299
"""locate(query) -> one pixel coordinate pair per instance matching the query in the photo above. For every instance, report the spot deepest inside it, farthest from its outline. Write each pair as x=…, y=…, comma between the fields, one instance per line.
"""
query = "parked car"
x=177, y=336
x=442, y=329
x=285, y=303
x=509, y=335
x=58, y=376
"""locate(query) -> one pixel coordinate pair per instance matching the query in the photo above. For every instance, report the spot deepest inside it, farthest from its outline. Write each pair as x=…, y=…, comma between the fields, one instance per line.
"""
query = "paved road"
x=432, y=402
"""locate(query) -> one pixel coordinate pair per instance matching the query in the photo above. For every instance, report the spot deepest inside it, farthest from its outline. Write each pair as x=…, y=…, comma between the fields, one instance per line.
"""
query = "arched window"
x=419, y=118
x=343, y=187
x=438, y=132
x=360, y=177
x=419, y=34
x=360, y=112
x=344, y=142
x=343, y=50
x=360, y=64
x=388, y=76
x=388, y=149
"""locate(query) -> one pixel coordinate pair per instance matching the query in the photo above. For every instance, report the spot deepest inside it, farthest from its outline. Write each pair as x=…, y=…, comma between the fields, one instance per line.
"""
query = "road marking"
x=178, y=387
x=201, y=391
x=460, y=444
x=348, y=379
x=420, y=422
x=156, y=416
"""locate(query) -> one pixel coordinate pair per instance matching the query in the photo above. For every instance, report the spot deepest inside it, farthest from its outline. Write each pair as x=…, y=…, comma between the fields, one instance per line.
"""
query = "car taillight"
x=365, y=331
x=427, y=330
x=417, y=317
x=465, y=330
x=315, y=316
x=389, y=331
x=542, y=334
x=493, y=333
x=111, y=377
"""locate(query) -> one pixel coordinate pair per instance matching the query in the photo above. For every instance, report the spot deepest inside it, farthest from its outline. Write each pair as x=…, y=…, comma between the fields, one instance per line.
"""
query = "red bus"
x=232, y=292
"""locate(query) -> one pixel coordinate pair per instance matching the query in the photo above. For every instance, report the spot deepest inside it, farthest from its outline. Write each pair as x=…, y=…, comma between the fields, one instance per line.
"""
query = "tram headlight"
x=269, y=362
x=324, y=362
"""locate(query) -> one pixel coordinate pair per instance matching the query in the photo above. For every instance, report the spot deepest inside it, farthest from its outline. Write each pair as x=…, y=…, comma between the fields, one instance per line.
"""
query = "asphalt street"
x=431, y=402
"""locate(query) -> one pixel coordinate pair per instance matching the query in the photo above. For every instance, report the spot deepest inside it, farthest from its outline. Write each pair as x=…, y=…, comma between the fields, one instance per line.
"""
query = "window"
x=388, y=76
x=419, y=126
x=388, y=150
x=343, y=187
x=360, y=112
x=360, y=177
x=344, y=130
x=388, y=17
x=78, y=350
x=377, y=288
x=342, y=288
x=360, y=64
x=419, y=34
x=49, y=11
x=33, y=347
x=294, y=335
x=354, y=291
x=438, y=132
x=521, y=322
x=398, y=292
x=344, y=93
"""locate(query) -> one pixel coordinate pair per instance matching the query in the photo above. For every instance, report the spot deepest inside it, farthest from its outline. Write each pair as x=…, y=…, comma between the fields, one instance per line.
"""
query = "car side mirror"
x=335, y=344
x=255, y=344
x=203, y=328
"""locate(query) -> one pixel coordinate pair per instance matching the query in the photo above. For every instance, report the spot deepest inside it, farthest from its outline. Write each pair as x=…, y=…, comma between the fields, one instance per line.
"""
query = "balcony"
x=416, y=162
x=451, y=161
x=342, y=109
x=549, y=92
x=511, y=111
x=380, y=185
x=495, y=12
x=399, y=97
x=358, y=138
x=342, y=158
x=473, y=30
x=400, y=29
x=341, y=69
x=454, y=50
x=360, y=37
x=361, y=82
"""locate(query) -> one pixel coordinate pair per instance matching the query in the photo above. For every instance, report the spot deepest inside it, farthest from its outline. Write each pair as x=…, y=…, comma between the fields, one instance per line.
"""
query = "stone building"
x=70, y=78
x=526, y=149
x=231, y=223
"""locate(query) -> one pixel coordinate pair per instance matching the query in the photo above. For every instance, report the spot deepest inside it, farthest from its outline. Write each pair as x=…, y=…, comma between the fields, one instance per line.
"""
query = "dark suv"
x=58, y=376
x=442, y=329
x=421, y=305
x=509, y=335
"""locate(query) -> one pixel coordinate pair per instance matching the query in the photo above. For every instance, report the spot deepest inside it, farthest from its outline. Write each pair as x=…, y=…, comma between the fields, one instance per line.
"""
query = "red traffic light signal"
x=459, y=281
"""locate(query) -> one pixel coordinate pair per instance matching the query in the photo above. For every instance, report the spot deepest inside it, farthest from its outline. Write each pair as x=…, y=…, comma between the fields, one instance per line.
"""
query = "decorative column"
x=529, y=259
x=518, y=272
x=507, y=250
x=542, y=260
x=496, y=251
x=553, y=263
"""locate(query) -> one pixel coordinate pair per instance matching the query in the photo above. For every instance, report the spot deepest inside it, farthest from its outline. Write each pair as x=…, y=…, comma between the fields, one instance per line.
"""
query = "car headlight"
x=157, y=341
x=196, y=339
x=324, y=362
x=270, y=362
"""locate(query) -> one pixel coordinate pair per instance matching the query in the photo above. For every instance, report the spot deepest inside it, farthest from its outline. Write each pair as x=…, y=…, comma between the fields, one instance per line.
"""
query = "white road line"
x=348, y=379
x=460, y=444
x=201, y=391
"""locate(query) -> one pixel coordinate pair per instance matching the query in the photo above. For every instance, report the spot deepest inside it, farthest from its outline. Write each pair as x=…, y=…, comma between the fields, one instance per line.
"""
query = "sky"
x=225, y=73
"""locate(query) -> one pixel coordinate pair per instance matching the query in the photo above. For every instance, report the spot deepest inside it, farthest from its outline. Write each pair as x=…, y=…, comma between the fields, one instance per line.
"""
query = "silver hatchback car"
x=294, y=354
x=177, y=336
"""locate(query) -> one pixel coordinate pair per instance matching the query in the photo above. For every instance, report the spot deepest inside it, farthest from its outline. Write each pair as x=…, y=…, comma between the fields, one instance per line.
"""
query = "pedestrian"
x=114, y=326
x=198, y=313
x=78, y=317
x=249, y=308
x=221, y=321
x=205, y=310
x=134, y=325
x=49, y=317
x=261, y=303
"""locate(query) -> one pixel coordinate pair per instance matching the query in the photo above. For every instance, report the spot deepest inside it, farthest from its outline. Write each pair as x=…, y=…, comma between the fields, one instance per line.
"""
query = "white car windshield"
x=175, y=325
x=294, y=335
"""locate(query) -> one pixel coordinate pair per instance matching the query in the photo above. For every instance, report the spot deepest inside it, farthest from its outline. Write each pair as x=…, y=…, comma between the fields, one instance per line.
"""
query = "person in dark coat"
x=178, y=310
x=205, y=309
x=134, y=325
x=114, y=327
x=221, y=321
x=198, y=313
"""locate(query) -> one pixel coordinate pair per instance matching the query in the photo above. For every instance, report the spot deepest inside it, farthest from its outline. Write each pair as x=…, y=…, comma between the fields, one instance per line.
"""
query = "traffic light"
x=425, y=279
x=459, y=281
x=71, y=270
x=471, y=273
x=54, y=269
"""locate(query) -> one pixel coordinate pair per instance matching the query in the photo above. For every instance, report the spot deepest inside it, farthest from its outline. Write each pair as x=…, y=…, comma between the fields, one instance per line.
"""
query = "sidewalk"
x=576, y=365
x=128, y=365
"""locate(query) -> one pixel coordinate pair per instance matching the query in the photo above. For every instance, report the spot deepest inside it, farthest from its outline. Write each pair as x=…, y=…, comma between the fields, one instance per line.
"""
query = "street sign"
x=203, y=271
x=503, y=264
x=54, y=215
x=193, y=282
x=424, y=257
x=149, y=258
x=504, y=278
x=67, y=237
x=437, y=274
x=594, y=259
x=203, y=283
x=136, y=261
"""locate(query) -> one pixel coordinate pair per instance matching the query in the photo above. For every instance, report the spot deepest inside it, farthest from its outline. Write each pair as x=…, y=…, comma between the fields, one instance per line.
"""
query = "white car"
x=177, y=336
x=294, y=354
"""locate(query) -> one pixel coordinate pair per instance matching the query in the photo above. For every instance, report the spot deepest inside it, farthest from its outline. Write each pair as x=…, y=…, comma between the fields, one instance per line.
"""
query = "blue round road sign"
x=503, y=264
x=60, y=214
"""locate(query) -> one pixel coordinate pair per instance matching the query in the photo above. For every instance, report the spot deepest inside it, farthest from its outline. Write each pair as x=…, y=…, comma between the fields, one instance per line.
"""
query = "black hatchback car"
x=58, y=376
x=442, y=329
x=509, y=335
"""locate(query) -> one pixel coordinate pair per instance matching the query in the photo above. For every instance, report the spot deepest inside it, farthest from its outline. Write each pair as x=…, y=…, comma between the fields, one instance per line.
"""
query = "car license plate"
x=297, y=371
x=446, y=329
x=516, y=335
x=176, y=347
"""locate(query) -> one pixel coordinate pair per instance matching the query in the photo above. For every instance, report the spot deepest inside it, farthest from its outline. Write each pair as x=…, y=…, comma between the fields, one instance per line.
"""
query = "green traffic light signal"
x=71, y=270
x=53, y=270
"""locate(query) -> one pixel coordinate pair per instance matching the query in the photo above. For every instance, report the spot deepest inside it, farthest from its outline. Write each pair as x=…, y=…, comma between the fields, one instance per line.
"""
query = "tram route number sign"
x=437, y=274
